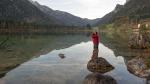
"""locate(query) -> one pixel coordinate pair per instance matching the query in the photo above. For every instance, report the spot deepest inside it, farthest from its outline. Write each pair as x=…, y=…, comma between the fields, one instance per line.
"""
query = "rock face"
x=97, y=78
x=99, y=65
x=138, y=67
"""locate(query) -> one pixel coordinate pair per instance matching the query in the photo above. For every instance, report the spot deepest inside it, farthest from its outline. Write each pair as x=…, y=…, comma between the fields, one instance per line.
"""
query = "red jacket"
x=95, y=39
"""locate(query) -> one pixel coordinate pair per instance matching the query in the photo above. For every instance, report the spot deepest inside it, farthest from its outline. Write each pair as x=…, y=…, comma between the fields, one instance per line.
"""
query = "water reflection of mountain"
x=65, y=41
x=22, y=49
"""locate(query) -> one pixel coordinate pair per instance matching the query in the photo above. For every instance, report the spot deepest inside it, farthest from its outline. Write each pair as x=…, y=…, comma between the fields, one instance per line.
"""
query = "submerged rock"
x=138, y=67
x=99, y=65
x=62, y=56
x=97, y=78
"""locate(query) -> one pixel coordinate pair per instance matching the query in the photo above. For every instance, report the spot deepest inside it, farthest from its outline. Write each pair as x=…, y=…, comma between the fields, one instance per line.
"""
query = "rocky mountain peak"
x=117, y=8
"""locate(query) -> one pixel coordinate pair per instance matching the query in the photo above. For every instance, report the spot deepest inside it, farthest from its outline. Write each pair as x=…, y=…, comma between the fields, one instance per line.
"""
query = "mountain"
x=32, y=12
x=133, y=9
x=23, y=10
x=64, y=17
x=109, y=17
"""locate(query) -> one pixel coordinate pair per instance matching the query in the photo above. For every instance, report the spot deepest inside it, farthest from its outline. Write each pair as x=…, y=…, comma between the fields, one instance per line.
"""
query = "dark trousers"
x=96, y=46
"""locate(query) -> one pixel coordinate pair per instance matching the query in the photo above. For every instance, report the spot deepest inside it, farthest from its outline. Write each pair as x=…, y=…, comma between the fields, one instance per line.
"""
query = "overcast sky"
x=83, y=8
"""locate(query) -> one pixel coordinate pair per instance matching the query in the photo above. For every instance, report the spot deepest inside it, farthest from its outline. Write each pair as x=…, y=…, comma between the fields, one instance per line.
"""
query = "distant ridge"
x=22, y=10
x=32, y=12
x=64, y=17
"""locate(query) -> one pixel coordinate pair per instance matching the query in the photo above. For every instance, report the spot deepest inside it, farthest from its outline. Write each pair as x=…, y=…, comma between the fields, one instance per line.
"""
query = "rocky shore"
x=139, y=67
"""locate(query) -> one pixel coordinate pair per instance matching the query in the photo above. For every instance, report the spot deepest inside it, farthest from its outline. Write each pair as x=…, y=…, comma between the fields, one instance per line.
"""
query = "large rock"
x=99, y=65
x=97, y=78
x=138, y=67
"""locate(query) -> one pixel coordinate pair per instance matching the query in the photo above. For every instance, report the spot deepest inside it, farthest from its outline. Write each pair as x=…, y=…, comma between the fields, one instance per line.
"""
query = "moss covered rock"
x=99, y=65
x=138, y=66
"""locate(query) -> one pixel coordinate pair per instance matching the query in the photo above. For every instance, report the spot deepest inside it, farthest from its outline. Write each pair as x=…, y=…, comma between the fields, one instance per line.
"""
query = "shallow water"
x=51, y=69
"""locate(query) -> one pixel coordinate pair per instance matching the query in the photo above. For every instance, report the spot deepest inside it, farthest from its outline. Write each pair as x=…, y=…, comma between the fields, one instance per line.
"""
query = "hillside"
x=64, y=17
x=110, y=16
x=134, y=9
x=23, y=10
x=32, y=12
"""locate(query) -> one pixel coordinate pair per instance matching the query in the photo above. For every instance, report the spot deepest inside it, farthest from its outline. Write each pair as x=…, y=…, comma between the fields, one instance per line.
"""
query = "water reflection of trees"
x=21, y=49
x=120, y=48
x=118, y=42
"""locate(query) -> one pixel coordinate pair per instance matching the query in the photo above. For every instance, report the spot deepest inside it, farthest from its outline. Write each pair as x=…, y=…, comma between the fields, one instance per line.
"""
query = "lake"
x=49, y=68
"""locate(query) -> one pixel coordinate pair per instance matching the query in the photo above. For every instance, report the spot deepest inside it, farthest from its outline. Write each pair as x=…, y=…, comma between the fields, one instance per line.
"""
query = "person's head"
x=96, y=33
x=93, y=33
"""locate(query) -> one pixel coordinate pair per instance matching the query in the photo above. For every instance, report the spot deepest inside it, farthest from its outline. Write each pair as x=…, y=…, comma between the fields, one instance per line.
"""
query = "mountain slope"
x=132, y=9
x=110, y=16
x=23, y=10
x=32, y=12
x=66, y=18
x=135, y=8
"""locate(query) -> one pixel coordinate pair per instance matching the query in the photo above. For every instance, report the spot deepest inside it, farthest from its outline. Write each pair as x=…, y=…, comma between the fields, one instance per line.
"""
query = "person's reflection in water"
x=95, y=54
x=97, y=78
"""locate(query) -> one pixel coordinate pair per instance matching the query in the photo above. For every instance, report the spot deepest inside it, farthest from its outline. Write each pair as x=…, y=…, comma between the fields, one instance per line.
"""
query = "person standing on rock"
x=95, y=39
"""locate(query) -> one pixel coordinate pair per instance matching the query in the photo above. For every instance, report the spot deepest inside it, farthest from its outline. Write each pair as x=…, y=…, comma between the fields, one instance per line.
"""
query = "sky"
x=90, y=9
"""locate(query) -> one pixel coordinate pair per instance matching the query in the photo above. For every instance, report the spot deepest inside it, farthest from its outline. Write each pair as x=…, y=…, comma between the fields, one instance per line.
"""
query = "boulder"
x=97, y=78
x=138, y=67
x=99, y=65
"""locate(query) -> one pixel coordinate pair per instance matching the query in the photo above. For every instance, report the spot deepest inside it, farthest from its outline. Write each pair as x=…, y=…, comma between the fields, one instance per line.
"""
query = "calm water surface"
x=51, y=69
